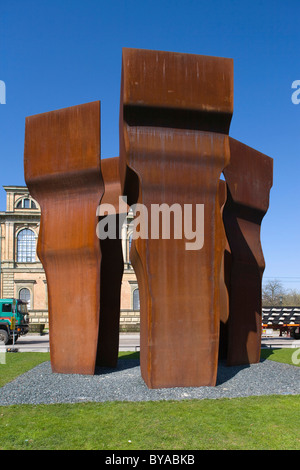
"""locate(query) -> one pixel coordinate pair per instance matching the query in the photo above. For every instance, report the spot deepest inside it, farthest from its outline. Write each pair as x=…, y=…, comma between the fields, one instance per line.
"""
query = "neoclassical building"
x=21, y=272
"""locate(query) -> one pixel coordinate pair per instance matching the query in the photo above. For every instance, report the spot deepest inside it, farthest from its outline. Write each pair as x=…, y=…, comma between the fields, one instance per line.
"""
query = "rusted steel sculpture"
x=174, y=120
x=112, y=266
x=249, y=180
x=62, y=171
x=200, y=289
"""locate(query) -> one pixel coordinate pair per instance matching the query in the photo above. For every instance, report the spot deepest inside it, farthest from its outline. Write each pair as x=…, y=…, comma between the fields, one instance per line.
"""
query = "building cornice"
x=20, y=218
x=16, y=188
x=23, y=270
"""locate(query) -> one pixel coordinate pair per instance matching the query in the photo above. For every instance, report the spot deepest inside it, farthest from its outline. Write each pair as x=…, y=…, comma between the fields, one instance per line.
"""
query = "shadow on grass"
x=266, y=353
x=129, y=355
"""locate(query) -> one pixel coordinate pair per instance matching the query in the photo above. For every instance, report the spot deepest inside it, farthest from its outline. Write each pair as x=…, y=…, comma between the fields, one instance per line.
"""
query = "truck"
x=14, y=320
x=285, y=319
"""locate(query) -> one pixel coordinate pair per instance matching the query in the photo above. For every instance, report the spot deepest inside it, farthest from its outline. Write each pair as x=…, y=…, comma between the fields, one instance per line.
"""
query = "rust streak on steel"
x=62, y=172
x=112, y=265
x=249, y=179
x=174, y=120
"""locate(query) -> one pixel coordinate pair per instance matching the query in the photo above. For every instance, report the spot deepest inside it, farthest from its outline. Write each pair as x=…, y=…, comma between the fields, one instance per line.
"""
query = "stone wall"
x=129, y=320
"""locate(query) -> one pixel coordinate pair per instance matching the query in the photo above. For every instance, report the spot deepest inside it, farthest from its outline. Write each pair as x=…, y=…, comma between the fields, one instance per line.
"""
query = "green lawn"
x=241, y=423
x=284, y=355
x=266, y=422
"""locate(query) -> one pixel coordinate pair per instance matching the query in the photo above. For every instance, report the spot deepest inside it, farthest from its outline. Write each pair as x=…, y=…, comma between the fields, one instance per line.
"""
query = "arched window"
x=136, y=299
x=26, y=246
x=26, y=203
x=24, y=294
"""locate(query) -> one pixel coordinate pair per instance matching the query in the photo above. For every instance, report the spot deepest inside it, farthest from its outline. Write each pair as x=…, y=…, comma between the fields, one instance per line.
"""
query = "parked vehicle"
x=14, y=320
x=284, y=319
x=295, y=332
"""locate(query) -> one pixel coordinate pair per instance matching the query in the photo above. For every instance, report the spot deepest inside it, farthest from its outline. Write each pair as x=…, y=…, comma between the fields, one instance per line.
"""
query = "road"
x=37, y=343
x=131, y=342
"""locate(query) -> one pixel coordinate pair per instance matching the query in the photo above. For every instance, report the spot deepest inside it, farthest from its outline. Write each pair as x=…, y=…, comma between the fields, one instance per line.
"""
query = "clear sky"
x=60, y=53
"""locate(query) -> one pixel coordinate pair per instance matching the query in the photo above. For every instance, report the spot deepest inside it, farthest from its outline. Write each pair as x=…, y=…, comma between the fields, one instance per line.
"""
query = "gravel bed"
x=41, y=386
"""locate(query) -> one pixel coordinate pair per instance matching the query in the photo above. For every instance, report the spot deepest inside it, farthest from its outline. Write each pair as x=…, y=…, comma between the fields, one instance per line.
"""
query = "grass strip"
x=284, y=355
x=264, y=423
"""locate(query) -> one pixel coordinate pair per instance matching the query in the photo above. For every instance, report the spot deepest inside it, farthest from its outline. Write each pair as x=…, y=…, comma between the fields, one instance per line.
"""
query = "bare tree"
x=292, y=298
x=273, y=293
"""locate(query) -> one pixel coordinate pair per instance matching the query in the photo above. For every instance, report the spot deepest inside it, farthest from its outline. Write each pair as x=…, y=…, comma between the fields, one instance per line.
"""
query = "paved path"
x=37, y=343
x=131, y=342
x=277, y=342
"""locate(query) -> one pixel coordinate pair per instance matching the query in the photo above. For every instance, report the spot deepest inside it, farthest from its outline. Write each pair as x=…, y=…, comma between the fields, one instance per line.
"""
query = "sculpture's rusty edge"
x=249, y=179
x=62, y=172
x=165, y=158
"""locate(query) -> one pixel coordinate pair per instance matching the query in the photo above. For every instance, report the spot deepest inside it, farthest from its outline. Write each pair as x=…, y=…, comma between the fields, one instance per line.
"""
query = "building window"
x=26, y=246
x=130, y=241
x=129, y=248
x=136, y=299
x=26, y=204
x=24, y=295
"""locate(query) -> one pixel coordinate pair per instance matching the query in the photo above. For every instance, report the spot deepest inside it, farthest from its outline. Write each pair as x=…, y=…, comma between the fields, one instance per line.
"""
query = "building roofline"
x=14, y=187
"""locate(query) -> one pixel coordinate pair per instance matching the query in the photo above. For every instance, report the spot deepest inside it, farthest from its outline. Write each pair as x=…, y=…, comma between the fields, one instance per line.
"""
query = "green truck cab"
x=14, y=320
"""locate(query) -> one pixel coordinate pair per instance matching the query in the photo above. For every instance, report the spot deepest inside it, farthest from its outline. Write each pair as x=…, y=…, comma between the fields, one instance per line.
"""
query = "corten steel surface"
x=112, y=266
x=249, y=179
x=174, y=119
x=62, y=172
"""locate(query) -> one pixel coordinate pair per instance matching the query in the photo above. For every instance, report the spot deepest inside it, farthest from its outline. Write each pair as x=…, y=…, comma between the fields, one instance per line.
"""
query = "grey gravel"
x=41, y=386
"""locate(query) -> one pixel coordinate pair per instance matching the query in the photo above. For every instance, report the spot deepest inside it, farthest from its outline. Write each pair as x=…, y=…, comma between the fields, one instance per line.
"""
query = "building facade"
x=22, y=274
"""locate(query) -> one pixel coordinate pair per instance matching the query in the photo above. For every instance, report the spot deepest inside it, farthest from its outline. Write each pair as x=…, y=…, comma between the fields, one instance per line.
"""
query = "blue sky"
x=60, y=53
